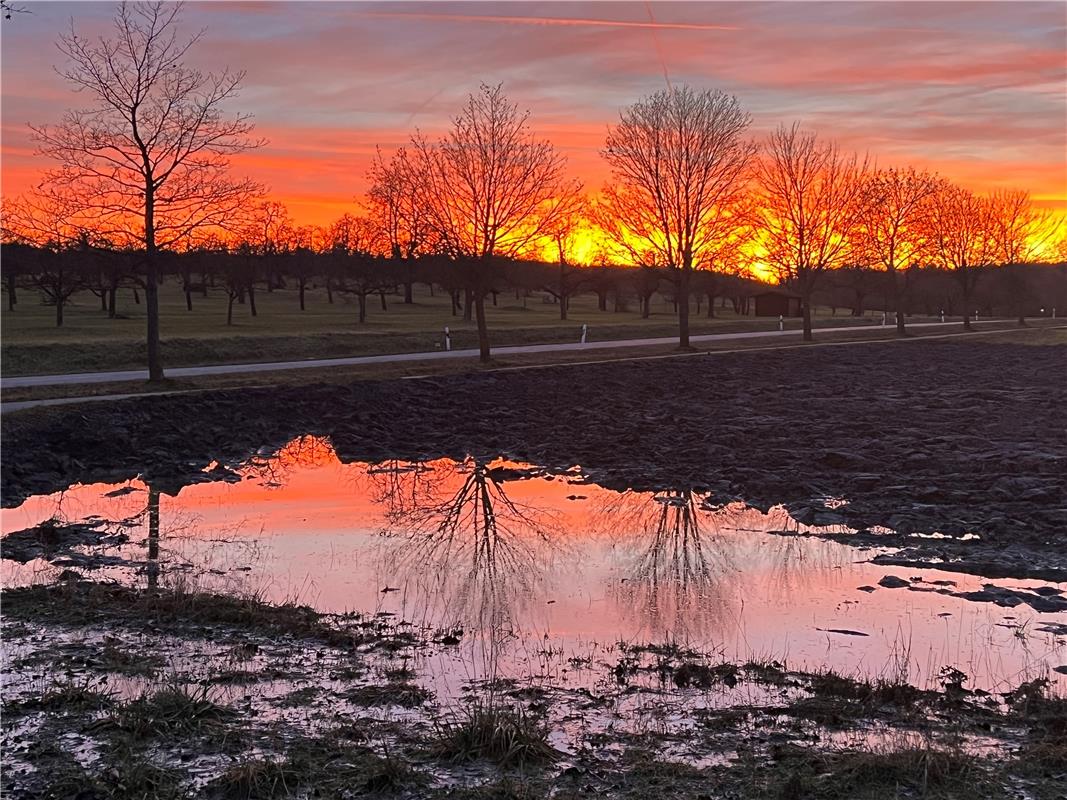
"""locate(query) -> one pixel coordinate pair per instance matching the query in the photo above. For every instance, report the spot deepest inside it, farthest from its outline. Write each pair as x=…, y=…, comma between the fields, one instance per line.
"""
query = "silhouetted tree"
x=150, y=154
x=562, y=233
x=890, y=230
x=958, y=224
x=397, y=210
x=1019, y=232
x=812, y=202
x=679, y=162
x=490, y=189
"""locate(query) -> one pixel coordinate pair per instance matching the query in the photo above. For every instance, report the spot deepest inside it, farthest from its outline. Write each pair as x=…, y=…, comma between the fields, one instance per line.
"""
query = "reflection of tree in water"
x=273, y=468
x=402, y=486
x=680, y=571
x=688, y=556
x=474, y=555
x=176, y=546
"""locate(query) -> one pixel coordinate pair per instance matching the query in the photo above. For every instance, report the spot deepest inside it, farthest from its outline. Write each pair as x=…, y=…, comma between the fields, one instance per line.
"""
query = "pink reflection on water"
x=547, y=563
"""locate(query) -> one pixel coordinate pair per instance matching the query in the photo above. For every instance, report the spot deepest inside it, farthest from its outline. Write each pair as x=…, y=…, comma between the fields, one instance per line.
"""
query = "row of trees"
x=360, y=275
x=146, y=168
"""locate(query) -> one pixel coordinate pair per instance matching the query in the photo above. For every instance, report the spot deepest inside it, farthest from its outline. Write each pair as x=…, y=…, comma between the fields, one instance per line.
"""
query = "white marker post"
x=976, y=315
x=781, y=323
x=448, y=339
x=942, y=315
x=585, y=330
x=883, y=319
x=1054, y=312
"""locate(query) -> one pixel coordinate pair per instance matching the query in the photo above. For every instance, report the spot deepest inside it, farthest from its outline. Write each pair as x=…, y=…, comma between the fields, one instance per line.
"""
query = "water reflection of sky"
x=513, y=555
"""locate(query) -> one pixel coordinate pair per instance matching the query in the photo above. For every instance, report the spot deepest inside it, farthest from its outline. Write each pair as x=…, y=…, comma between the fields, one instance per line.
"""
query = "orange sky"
x=973, y=91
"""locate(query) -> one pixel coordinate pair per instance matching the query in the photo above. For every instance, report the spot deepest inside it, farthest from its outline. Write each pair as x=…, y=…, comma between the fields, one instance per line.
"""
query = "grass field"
x=89, y=341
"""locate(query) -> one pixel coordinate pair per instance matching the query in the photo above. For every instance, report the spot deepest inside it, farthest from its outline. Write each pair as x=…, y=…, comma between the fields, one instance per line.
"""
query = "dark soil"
x=949, y=437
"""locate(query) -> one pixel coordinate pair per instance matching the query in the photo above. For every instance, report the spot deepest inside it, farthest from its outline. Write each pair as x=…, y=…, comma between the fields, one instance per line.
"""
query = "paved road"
x=277, y=366
x=19, y=405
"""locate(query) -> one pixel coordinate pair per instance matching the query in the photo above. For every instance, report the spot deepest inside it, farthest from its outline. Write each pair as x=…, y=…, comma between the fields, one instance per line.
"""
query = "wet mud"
x=963, y=440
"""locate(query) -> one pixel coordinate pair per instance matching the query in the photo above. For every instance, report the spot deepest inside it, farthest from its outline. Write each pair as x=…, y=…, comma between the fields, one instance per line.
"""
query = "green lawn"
x=88, y=340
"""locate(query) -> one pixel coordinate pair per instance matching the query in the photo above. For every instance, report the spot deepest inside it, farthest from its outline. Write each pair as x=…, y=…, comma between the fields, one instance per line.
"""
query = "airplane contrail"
x=659, y=50
x=563, y=21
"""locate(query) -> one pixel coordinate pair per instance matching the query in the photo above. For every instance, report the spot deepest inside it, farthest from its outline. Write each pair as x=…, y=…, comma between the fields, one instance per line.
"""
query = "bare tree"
x=678, y=160
x=958, y=225
x=812, y=203
x=354, y=264
x=56, y=225
x=150, y=154
x=890, y=229
x=1020, y=232
x=491, y=189
x=396, y=208
x=563, y=233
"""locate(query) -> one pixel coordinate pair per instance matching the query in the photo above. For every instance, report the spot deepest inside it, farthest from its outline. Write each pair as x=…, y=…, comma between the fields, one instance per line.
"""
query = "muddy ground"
x=922, y=437
x=166, y=692
x=116, y=693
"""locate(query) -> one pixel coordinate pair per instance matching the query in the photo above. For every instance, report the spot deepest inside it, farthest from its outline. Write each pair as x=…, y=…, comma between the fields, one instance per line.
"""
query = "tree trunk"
x=483, y=328
x=562, y=290
x=898, y=301
x=252, y=299
x=711, y=305
x=329, y=291
x=151, y=291
x=59, y=311
x=805, y=308
x=381, y=294
x=454, y=297
x=467, y=295
x=409, y=292
x=303, y=284
x=12, y=299
x=601, y=301
x=362, y=307
x=229, y=309
x=682, y=302
x=112, y=292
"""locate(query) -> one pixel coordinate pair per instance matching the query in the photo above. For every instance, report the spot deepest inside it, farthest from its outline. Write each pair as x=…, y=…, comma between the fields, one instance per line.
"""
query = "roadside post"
x=781, y=323
x=448, y=339
x=585, y=330
x=942, y=315
x=883, y=319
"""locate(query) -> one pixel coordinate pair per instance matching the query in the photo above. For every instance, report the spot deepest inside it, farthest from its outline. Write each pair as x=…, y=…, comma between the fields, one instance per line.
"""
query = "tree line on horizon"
x=143, y=188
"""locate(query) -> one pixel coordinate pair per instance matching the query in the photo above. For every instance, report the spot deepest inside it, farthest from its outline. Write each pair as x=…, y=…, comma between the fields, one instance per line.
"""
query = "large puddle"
x=545, y=572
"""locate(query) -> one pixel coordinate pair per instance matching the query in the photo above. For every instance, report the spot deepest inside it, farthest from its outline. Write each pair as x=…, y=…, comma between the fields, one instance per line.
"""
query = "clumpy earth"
x=924, y=437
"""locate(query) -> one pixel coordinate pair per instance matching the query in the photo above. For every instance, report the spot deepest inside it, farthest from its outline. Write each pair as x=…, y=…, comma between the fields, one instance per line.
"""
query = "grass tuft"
x=509, y=737
x=173, y=710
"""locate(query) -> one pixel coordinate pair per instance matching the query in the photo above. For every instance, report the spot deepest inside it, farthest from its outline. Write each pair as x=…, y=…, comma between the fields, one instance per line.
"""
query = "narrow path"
x=278, y=366
x=19, y=405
